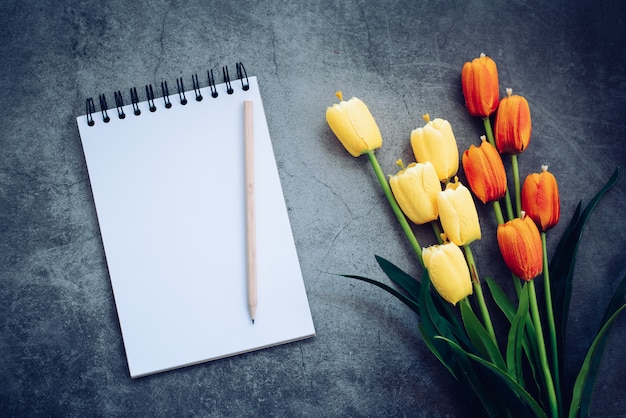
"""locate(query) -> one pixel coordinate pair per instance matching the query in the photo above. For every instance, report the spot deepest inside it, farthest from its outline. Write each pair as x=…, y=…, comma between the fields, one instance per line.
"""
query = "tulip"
x=458, y=215
x=513, y=124
x=435, y=143
x=479, y=80
x=540, y=199
x=354, y=126
x=521, y=247
x=415, y=189
x=485, y=171
x=448, y=271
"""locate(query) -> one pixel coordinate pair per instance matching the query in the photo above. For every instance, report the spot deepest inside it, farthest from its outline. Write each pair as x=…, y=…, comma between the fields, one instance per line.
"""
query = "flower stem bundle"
x=518, y=373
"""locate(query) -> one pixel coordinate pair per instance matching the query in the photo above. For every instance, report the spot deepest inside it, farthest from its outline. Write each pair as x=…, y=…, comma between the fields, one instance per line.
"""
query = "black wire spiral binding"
x=241, y=73
x=90, y=107
x=119, y=104
x=135, y=99
x=212, y=83
x=150, y=95
x=181, y=91
x=104, y=108
x=196, y=87
x=229, y=87
x=166, y=94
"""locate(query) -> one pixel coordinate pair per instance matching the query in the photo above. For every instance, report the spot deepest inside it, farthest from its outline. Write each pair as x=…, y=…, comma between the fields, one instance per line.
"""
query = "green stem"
x=489, y=131
x=518, y=200
x=479, y=293
x=542, y=350
x=437, y=231
x=550, y=315
x=394, y=206
x=497, y=210
x=509, y=205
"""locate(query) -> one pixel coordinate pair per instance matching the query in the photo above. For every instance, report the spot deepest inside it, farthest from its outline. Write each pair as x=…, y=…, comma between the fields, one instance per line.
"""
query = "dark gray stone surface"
x=61, y=352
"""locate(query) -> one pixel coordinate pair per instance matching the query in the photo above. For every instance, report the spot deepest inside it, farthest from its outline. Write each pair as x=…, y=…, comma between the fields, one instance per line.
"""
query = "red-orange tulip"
x=513, y=125
x=520, y=245
x=479, y=80
x=485, y=171
x=540, y=198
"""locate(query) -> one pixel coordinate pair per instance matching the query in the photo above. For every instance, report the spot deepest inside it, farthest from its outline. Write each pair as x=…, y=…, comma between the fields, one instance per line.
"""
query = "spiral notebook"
x=167, y=176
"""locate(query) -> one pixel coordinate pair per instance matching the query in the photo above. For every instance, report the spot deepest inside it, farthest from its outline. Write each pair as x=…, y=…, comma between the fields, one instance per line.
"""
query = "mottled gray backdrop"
x=61, y=352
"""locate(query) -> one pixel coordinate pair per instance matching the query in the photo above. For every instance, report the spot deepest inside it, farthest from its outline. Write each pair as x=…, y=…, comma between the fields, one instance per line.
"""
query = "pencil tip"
x=252, y=321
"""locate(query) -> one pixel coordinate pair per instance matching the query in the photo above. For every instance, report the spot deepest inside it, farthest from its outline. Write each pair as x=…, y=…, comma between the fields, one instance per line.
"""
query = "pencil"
x=250, y=207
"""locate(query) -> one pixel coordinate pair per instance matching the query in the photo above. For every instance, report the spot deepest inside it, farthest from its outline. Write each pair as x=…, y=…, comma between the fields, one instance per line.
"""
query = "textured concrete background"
x=61, y=352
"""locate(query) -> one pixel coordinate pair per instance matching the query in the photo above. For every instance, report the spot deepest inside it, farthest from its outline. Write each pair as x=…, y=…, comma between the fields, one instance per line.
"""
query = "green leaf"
x=581, y=379
x=614, y=306
x=406, y=300
x=407, y=282
x=502, y=300
x=479, y=336
x=516, y=387
x=433, y=325
x=509, y=310
x=516, y=337
x=563, y=262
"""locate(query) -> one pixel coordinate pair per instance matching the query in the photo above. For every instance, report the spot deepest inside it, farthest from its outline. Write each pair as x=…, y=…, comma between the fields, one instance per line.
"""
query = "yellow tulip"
x=415, y=189
x=448, y=271
x=435, y=143
x=354, y=126
x=458, y=214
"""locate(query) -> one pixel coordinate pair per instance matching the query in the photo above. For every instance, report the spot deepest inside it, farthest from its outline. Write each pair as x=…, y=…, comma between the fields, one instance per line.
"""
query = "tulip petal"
x=540, y=199
x=513, y=125
x=435, y=143
x=521, y=248
x=479, y=81
x=458, y=214
x=485, y=172
x=354, y=126
x=415, y=189
x=364, y=124
x=448, y=271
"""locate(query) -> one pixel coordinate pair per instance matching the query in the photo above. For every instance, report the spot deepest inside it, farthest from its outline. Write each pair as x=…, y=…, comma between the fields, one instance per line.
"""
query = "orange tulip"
x=513, y=125
x=485, y=171
x=479, y=80
x=540, y=198
x=521, y=248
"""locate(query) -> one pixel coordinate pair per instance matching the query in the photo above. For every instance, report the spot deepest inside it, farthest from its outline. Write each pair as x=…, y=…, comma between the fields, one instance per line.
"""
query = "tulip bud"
x=458, y=215
x=521, y=248
x=448, y=271
x=415, y=189
x=485, y=171
x=540, y=198
x=435, y=143
x=513, y=125
x=479, y=80
x=354, y=126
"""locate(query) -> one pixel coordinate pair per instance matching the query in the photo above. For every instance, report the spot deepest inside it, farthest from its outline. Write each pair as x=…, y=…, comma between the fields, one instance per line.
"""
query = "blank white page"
x=169, y=193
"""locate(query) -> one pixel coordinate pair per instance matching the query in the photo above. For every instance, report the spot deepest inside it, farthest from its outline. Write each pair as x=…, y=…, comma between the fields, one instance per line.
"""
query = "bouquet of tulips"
x=518, y=373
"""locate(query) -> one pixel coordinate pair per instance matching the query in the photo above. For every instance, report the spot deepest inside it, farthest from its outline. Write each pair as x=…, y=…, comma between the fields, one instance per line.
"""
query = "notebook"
x=167, y=176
